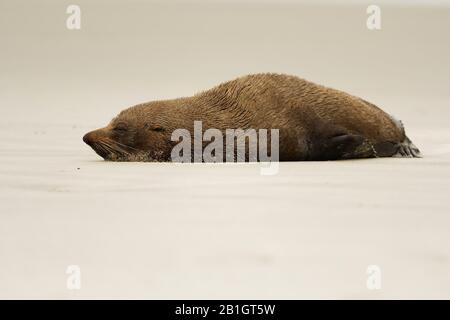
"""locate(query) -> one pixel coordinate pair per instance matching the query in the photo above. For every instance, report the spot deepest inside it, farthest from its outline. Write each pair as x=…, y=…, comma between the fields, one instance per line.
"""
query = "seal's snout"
x=88, y=138
x=93, y=137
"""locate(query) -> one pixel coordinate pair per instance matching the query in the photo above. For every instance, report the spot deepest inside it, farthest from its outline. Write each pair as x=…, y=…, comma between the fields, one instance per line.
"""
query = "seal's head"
x=134, y=135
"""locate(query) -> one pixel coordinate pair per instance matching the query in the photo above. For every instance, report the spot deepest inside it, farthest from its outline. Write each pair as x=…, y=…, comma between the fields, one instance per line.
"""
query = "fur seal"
x=314, y=122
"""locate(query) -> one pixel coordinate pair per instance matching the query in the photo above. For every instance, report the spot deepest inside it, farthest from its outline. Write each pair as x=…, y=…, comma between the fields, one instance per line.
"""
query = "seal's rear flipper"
x=353, y=146
x=407, y=149
x=404, y=149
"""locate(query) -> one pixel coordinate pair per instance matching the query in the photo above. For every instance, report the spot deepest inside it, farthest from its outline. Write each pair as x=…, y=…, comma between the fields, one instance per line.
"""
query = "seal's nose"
x=87, y=138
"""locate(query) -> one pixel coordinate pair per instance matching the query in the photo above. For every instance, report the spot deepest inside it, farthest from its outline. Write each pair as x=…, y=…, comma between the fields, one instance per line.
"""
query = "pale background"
x=148, y=230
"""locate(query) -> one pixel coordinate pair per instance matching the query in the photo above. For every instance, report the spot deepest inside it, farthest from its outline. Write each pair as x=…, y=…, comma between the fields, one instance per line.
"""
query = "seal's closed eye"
x=121, y=127
x=154, y=127
x=158, y=129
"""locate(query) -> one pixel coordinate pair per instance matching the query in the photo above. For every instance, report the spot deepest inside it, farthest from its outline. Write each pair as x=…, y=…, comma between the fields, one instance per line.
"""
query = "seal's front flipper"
x=353, y=146
x=343, y=146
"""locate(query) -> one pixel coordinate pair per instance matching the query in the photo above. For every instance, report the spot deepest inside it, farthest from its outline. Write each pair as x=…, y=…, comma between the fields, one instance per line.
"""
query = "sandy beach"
x=218, y=231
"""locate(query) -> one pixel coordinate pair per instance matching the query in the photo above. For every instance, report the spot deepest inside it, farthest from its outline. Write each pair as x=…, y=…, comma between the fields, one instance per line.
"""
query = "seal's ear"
x=154, y=127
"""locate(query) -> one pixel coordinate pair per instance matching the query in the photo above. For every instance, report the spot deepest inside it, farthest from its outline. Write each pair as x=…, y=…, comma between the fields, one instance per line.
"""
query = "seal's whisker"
x=108, y=146
x=116, y=149
x=110, y=150
x=121, y=144
x=100, y=149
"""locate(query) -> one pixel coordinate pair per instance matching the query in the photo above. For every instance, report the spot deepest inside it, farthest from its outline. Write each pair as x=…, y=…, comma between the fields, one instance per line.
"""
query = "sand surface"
x=156, y=230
